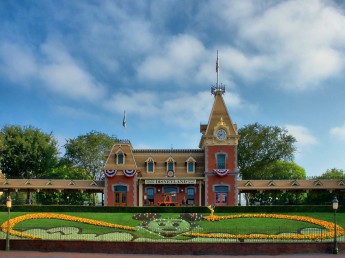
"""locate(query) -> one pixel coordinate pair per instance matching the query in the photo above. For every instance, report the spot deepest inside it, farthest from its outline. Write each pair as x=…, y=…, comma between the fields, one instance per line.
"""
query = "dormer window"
x=170, y=164
x=120, y=157
x=190, y=165
x=150, y=165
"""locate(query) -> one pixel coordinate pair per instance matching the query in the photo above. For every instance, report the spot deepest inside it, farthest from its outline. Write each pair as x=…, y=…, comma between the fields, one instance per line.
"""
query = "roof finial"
x=218, y=88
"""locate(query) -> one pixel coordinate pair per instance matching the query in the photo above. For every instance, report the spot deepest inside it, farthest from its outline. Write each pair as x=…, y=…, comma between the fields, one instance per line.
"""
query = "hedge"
x=180, y=209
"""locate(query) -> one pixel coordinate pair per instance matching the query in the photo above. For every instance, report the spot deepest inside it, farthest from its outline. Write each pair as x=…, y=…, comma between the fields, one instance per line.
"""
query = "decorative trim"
x=129, y=172
x=221, y=172
x=110, y=172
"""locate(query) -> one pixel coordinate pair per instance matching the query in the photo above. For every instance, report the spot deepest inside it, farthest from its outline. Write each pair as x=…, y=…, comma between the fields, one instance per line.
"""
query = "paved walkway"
x=25, y=254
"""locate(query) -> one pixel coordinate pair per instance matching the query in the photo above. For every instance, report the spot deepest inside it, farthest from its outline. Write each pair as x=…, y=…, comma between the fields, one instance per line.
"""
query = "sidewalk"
x=25, y=254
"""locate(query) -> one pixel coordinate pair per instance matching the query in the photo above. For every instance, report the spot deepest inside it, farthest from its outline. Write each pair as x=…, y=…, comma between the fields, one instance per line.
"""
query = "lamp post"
x=8, y=205
x=335, y=207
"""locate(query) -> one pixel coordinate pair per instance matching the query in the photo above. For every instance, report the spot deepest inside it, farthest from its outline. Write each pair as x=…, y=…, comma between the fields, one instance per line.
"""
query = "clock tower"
x=219, y=141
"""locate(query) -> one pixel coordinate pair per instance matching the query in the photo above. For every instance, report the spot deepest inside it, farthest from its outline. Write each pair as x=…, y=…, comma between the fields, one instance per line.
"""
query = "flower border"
x=19, y=219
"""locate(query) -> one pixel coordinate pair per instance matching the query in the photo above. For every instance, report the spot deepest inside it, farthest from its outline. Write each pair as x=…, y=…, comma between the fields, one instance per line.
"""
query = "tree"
x=333, y=173
x=282, y=169
x=260, y=146
x=325, y=197
x=26, y=152
x=87, y=152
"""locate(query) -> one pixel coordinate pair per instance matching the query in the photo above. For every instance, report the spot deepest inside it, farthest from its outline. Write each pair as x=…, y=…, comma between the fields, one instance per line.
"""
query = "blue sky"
x=70, y=67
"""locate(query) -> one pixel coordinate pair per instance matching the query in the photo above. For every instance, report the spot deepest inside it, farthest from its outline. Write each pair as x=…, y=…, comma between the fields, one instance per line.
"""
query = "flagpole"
x=217, y=70
x=124, y=123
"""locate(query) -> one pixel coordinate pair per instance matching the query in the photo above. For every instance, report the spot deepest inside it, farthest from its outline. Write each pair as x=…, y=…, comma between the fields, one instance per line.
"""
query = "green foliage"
x=333, y=173
x=87, y=152
x=182, y=209
x=260, y=146
x=68, y=172
x=26, y=152
x=281, y=169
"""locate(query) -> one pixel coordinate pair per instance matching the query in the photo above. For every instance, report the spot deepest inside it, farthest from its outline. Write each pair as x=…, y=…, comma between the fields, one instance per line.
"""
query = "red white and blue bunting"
x=221, y=172
x=129, y=172
x=110, y=172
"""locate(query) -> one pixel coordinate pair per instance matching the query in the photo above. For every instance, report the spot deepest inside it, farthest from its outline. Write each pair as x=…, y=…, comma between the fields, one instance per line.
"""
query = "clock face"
x=221, y=134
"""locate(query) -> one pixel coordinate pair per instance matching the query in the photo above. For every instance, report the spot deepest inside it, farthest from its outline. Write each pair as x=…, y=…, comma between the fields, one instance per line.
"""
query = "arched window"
x=170, y=164
x=190, y=165
x=120, y=157
x=150, y=165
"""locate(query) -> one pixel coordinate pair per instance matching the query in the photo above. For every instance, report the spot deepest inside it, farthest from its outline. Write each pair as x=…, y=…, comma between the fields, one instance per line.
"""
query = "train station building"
x=202, y=176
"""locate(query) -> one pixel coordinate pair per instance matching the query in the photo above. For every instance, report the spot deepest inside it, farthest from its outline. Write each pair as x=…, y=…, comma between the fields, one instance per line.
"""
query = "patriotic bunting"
x=110, y=173
x=129, y=172
x=221, y=172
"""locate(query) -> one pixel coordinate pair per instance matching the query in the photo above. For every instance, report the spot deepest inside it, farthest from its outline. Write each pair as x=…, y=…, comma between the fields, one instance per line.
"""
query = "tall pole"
x=335, y=207
x=217, y=70
x=8, y=205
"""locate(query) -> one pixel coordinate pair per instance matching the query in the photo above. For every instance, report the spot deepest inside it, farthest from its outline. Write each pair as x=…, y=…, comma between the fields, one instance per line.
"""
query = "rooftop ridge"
x=168, y=150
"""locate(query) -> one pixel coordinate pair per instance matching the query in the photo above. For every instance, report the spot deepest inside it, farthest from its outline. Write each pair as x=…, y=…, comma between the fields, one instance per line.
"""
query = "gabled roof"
x=51, y=184
x=297, y=184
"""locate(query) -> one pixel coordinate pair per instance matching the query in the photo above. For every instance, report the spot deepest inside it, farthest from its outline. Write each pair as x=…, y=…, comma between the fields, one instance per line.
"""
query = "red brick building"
x=204, y=176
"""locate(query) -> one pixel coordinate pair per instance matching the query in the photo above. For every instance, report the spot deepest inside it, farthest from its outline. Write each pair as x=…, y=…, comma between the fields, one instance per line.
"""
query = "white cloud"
x=180, y=109
x=53, y=68
x=63, y=75
x=302, y=134
x=298, y=44
x=17, y=62
x=338, y=131
x=178, y=61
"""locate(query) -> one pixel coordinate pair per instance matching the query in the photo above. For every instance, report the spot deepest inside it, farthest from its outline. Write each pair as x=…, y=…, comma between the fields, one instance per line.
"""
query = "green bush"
x=181, y=209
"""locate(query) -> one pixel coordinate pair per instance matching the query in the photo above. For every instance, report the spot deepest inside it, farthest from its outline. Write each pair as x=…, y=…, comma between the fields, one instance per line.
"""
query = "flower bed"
x=19, y=219
x=329, y=226
x=186, y=225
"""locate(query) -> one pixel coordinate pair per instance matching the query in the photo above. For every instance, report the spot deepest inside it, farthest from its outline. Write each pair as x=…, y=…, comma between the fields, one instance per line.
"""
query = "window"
x=190, y=167
x=221, y=188
x=120, y=188
x=221, y=194
x=190, y=164
x=221, y=158
x=170, y=164
x=150, y=193
x=120, y=159
x=190, y=195
x=150, y=165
